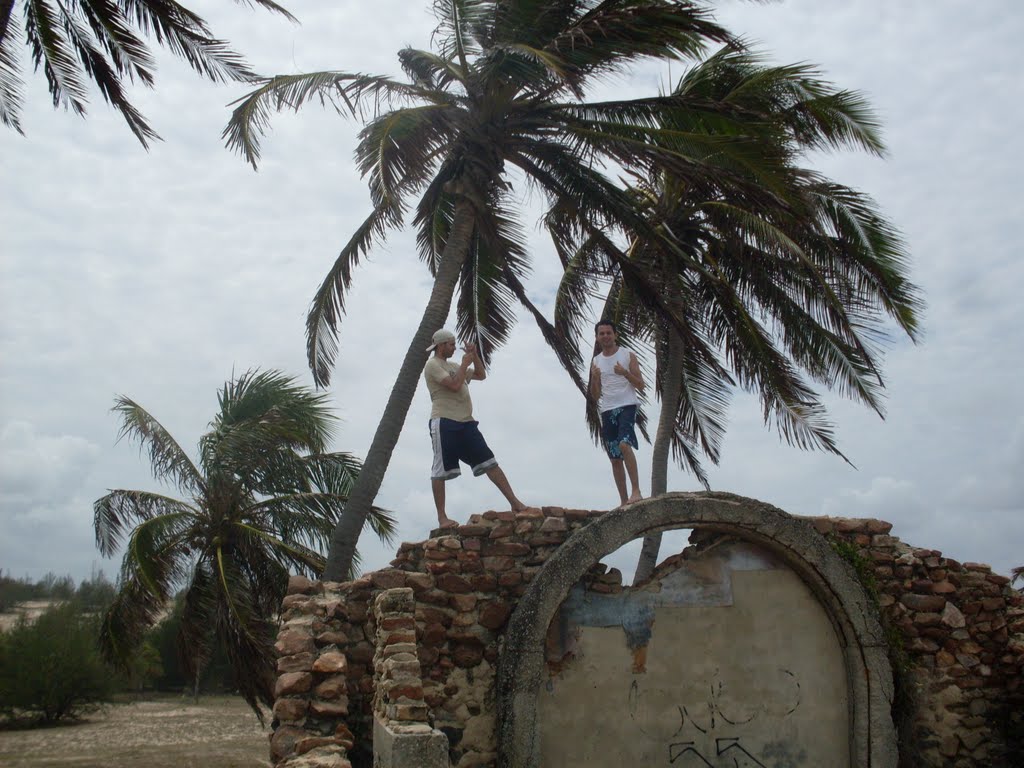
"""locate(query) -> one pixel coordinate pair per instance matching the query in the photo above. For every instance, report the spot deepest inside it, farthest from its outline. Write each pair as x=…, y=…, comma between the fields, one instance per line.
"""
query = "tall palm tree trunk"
x=671, y=391
x=364, y=491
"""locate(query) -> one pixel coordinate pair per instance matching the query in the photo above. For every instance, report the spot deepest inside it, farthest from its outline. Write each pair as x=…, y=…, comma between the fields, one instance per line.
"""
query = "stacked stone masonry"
x=398, y=687
x=340, y=660
x=962, y=629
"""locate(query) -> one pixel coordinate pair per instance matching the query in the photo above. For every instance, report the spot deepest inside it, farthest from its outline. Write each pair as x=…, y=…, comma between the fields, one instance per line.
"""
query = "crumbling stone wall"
x=962, y=628
x=963, y=685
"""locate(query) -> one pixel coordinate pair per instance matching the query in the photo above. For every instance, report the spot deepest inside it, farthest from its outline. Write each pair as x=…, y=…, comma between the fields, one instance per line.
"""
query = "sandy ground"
x=30, y=609
x=221, y=732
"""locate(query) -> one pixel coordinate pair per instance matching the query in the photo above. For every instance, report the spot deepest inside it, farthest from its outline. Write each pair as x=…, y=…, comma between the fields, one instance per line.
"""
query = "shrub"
x=51, y=668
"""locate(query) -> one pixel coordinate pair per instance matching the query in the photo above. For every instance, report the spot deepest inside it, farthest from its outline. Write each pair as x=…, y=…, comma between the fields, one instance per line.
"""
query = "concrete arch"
x=521, y=667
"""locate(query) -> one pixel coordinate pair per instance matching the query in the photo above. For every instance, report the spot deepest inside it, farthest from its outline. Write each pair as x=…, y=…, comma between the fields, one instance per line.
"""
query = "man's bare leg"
x=619, y=473
x=496, y=476
x=629, y=459
x=443, y=521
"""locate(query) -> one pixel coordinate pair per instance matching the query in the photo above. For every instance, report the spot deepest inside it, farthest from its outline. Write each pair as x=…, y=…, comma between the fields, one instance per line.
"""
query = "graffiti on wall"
x=715, y=732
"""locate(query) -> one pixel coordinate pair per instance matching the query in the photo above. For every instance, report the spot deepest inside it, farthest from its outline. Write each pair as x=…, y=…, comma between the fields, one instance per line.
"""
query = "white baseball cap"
x=441, y=337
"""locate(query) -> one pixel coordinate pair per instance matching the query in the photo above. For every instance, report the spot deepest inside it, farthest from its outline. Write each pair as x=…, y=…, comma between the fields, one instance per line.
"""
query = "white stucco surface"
x=755, y=679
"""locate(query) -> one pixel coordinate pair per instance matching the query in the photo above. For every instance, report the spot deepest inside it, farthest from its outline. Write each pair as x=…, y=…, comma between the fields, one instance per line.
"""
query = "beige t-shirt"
x=445, y=403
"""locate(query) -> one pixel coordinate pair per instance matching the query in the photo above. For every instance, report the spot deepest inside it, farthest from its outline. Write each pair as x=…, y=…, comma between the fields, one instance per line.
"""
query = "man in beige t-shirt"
x=453, y=431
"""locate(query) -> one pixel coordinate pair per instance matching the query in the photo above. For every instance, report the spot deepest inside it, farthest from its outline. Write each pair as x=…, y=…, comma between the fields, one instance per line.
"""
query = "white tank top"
x=616, y=391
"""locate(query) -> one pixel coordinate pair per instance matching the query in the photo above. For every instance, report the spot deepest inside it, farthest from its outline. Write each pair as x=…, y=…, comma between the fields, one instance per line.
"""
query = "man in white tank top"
x=615, y=378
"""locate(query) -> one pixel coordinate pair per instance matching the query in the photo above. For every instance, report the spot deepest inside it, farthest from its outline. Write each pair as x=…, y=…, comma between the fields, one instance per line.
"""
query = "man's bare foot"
x=447, y=522
x=635, y=496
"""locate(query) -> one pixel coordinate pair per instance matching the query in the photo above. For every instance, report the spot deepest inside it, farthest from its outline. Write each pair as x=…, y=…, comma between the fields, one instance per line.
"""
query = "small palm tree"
x=75, y=41
x=505, y=89
x=261, y=502
x=731, y=289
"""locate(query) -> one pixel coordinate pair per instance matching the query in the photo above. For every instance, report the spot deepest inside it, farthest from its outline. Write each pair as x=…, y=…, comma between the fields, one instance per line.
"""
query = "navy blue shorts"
x=456, y=441
x=616, y=428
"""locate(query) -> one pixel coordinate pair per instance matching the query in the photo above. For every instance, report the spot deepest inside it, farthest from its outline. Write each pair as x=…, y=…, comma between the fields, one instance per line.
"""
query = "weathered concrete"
x=729, y=655
x=408, y=746
x=794, y=542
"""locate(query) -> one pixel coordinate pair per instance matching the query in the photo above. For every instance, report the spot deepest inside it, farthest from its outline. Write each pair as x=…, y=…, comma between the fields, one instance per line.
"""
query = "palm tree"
x=505, y=88
x=75, y=41
x=755, y=291
x=262, y=501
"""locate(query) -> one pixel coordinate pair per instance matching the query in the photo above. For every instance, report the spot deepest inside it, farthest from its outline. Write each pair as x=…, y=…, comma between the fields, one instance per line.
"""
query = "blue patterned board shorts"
x=617, y=427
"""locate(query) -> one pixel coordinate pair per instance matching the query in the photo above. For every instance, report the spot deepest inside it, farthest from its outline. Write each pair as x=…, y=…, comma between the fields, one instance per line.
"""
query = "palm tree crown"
x=102, y=41
x=262, y=501
x=757, y=291
x=505, y=88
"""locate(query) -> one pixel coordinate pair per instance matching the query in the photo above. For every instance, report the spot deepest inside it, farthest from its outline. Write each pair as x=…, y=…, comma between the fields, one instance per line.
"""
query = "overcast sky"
x=155, y=275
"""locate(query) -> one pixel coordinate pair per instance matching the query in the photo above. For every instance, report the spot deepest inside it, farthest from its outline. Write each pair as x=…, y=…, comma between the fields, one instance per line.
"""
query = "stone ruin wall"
x=963, y=630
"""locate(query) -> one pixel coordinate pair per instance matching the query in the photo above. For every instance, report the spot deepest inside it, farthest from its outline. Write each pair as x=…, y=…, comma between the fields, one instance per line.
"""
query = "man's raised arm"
x=479, y=372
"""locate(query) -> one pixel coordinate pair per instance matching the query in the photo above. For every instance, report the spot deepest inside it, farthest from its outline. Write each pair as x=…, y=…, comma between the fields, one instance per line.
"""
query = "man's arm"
x=471, y=358
x=479, y=372
x=633, y=374
x=454, y=381
x=595, y=382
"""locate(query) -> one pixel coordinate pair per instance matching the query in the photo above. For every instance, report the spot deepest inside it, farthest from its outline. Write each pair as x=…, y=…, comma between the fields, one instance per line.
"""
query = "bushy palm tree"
x=762, y=292
x=261, y=502
x=78, y=41
x=504, y=89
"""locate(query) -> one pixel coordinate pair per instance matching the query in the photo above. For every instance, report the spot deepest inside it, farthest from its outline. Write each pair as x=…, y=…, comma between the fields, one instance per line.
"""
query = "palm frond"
x=167, y=459
x=534, y=22
x=563, y=346
x=52, y=51
x=197, y=629
x=702, y=414
x=263, y=413
x=458, y=23
x=428, y=70
x=435, y=214
x=106, y=79
x=128, y=53
x=131, y=614
x=151, y=568
x=328, y=304
x=873, y=252
x=155, y=552
x=292, y=556
x=684, y=451
x=612, y=36
x=270, y=5
x=813, y=111
x=346, y=92
x=798, y=416
x=484, y=311
x=400, y=149
x=187, y=36
x=12, y=88
x=119, y=509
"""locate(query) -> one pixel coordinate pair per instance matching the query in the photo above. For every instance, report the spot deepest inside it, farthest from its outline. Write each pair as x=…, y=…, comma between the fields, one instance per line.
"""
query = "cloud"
x=41, y=466
x=157, y=274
